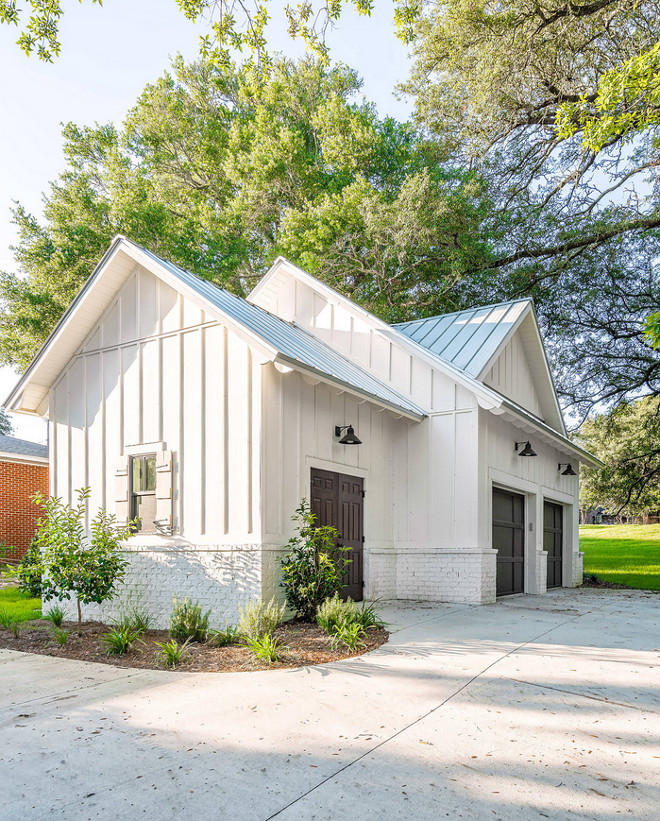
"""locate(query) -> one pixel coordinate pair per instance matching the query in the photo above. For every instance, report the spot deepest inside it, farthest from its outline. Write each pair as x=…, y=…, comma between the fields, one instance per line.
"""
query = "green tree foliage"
x=627, y=439
x=221, y=170
x=75, y=563
x=6, y=427
x=313, y=567
x=573, y=226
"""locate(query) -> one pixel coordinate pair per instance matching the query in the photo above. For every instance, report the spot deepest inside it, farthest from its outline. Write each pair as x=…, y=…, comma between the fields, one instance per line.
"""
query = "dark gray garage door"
x=509, y=541
x=553, y=541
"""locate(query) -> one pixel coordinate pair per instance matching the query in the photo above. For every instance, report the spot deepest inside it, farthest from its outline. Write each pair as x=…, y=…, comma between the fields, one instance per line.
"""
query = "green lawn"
x=19, y=605
x=625, y=554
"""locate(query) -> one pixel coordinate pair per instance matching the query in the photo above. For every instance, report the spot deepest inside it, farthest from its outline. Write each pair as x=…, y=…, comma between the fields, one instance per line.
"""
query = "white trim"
x=146, y=447
x=336, y=467
x=24, y=459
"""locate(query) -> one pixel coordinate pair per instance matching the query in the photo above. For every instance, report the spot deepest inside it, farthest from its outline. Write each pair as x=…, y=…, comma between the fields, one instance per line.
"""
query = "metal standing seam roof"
x=467, y=339
x=21, y=447
x=291, y=341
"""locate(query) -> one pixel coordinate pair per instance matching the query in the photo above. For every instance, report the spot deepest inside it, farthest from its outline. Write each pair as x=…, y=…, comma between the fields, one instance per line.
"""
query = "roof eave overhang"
x=414, y=415
x=531, y=424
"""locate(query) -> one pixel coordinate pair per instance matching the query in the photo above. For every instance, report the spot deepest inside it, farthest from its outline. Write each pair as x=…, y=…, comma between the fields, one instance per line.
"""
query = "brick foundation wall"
x=18, y=515
x=219, y=577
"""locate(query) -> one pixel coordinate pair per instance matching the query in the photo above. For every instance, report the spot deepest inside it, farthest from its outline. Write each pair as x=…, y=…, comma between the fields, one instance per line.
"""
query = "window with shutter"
x=164, y=519
x=143, y=492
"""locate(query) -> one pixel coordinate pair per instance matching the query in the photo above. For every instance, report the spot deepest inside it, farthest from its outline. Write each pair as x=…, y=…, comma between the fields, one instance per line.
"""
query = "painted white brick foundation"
x=432, y=574
x=220, y=577
x=578, y=569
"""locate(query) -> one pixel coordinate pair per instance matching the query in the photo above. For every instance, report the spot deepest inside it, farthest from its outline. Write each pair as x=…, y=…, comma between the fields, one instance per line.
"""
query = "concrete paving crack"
x=601, y=699
x=428, y=713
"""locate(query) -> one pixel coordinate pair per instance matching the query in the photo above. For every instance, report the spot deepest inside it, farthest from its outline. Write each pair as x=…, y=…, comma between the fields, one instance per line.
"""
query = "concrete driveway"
x=536, y=707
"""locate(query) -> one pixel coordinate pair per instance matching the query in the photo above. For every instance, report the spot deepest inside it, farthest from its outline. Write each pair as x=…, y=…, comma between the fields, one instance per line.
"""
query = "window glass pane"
x=136, y=475
x=145, y=510
x=149, y=473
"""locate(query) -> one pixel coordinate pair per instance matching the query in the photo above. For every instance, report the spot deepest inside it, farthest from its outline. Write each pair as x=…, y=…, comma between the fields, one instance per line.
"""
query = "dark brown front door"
x=509, y=541
x=337, y=500
x=553, y=541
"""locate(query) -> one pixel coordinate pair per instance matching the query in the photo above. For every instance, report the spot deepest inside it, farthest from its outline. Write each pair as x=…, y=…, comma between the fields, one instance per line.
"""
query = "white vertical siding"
x=512, y=376
x=156, y=368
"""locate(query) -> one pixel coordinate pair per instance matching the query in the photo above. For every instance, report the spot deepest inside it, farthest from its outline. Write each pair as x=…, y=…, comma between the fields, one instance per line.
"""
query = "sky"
x=109, y=53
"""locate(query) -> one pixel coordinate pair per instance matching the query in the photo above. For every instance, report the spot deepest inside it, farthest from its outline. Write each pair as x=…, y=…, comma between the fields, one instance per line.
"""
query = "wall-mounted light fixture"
x=569, y=469
x=526, y=451
x=349, y=438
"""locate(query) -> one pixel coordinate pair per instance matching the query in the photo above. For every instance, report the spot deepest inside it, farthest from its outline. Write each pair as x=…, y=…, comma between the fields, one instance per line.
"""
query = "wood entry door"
x=337, y=500
x=509, y=541
x=553, y=541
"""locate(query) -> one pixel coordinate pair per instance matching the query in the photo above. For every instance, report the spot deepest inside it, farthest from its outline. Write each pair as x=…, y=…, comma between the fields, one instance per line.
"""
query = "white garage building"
x=212, y=416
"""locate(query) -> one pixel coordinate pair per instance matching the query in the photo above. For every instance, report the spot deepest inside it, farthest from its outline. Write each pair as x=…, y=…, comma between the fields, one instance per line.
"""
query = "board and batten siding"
x=157, y=369
x=511, y=376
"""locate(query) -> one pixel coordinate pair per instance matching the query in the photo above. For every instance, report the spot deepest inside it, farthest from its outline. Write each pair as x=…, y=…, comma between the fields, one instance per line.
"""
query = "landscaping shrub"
x=135, y=618
x=313, y=568
x=29, y=570
x=258, y=618
x=368, y=617
x=264, y=647
x=73, y=564
x=172, y=652
x=119, y=639
x=56, y=615
x=350, y=636
x=224, y=638
x=60, y=636
x=335, y=613
x=187, y=621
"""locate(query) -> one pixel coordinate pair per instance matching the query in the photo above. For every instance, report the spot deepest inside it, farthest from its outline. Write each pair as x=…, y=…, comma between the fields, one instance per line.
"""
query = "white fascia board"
x=485, y=396
x=24, y=459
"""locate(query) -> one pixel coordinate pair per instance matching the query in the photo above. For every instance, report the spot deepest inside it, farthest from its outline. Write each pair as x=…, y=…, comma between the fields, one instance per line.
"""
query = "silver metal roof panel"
x=466, y=339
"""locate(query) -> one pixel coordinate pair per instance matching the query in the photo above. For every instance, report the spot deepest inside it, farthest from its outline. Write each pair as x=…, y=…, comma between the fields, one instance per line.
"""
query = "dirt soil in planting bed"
x=303, y=644
x=602, y=583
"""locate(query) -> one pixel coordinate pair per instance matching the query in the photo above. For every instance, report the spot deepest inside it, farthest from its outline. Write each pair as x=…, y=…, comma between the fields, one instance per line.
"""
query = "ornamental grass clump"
x=55, y=615
x=314, y=566
x=265, y=647
x=350, y=636
x=187, y=622
x=172, y=653
x=259, y=618
x=119, y=639
x=224, y=638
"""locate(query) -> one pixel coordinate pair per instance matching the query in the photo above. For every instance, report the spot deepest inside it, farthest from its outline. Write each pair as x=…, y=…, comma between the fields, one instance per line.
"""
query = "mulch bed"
x=603, y=584
x=304, y=644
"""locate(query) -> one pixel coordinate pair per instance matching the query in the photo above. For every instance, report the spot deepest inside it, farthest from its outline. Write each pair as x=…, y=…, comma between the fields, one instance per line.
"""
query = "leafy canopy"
x=627, y=439
x=220, y=170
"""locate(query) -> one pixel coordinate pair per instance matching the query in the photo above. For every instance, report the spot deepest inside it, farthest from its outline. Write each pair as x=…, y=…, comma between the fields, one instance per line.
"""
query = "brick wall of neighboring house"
x=18, y=515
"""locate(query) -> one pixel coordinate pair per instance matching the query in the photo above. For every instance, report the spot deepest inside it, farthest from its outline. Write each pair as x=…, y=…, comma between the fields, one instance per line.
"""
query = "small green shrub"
x=188, y=622
x=264, y=647
x=223, y=638
x=56, y=615
x=60, y=636
x=6, y=618
x=258, y=618
x=313, y=569
x=336, y=613
x=350, y=636
x=172, y=652
x=368, y=617
x=30, y=570
x=119, y=639
x=15, y=627
x=135, y=618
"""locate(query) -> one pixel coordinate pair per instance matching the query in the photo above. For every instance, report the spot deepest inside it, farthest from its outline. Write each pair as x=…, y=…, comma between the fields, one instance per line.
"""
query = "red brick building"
x=23, y=472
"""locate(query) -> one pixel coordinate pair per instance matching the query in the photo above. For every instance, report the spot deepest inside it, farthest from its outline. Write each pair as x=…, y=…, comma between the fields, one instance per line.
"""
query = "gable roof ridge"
x=491, y=306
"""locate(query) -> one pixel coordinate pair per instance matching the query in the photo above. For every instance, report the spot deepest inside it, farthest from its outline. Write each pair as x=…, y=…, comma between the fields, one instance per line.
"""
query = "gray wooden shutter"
x=164, y=491
x=121, y=493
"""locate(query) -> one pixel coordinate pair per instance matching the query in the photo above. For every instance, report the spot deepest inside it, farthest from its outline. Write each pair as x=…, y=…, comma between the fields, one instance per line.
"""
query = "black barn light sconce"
x=569, y=469
x=526, y=451
x=349, y=438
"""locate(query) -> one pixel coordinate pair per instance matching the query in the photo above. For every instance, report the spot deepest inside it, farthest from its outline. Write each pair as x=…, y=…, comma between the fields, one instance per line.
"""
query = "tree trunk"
x=79, y=618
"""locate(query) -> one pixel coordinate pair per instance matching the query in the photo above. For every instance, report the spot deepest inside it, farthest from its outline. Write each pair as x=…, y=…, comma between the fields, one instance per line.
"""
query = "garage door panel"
x=553, y=541
x=509, y=541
